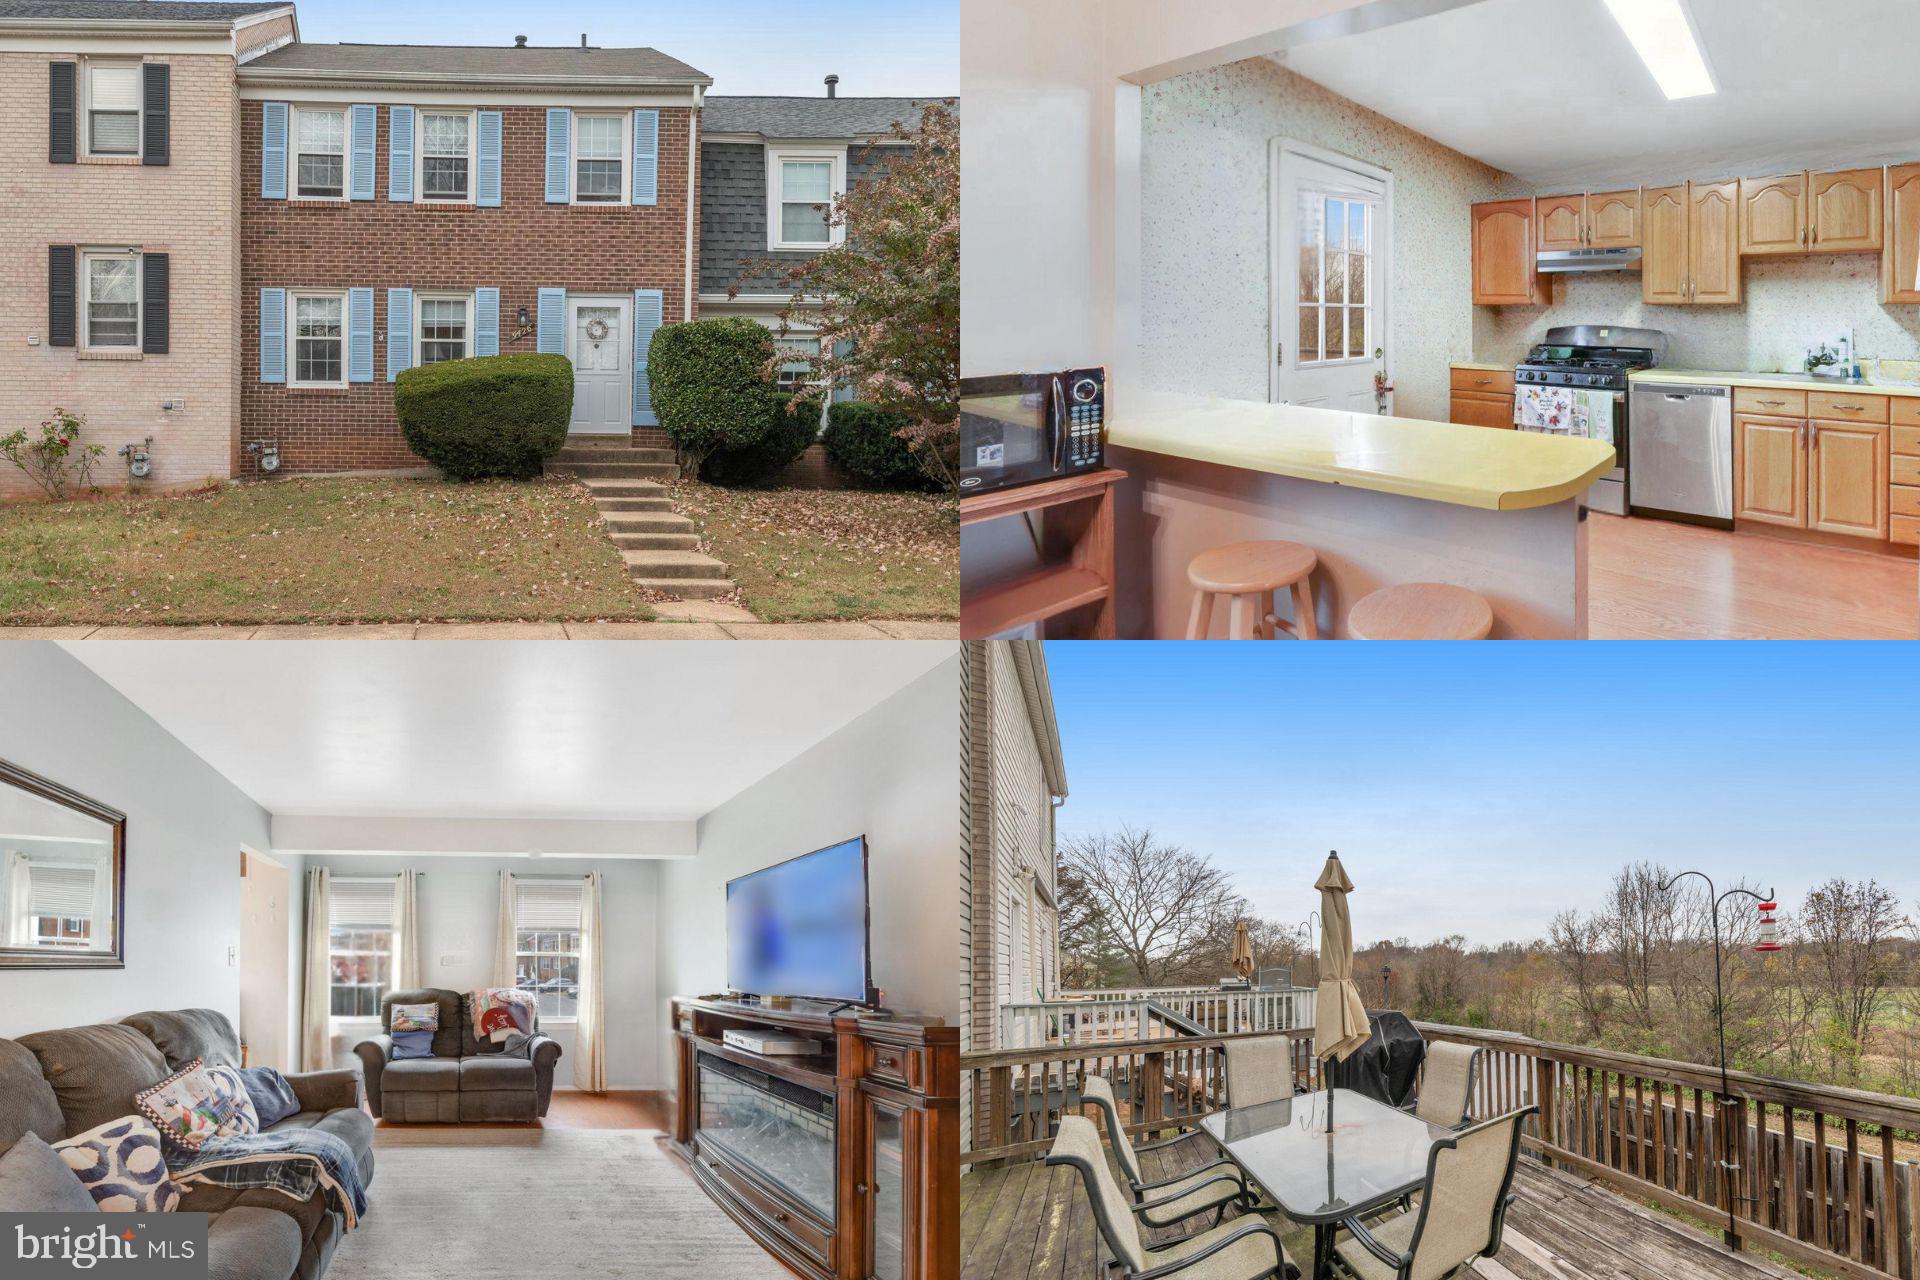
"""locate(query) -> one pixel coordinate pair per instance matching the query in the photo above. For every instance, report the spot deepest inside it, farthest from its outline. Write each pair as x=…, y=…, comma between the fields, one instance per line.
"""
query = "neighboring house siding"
x=968, y=739
x=519, y=248
x=733, y=226
x=185, y=209
x=263, y=33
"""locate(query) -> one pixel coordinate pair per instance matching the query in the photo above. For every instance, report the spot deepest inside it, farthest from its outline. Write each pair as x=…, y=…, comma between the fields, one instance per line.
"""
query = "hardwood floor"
x=617, y=1109
x=1658, y=580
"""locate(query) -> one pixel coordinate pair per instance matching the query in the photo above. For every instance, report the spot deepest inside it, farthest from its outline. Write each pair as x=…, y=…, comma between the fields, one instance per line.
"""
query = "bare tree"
x=1575, y=941
x=1848, y=926
x=1158, y=906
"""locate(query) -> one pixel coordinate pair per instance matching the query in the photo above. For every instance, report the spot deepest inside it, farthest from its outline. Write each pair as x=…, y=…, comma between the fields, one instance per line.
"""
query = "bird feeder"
x=1769, y=939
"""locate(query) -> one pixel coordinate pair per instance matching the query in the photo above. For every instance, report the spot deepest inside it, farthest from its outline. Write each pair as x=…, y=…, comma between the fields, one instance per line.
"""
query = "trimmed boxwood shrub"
x=487, y=418
x=710, y=385
x=861, y=441
x=785, y=433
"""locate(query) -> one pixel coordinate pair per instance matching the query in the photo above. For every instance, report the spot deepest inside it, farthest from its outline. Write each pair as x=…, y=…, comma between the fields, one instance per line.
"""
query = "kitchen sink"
x=1805, y=377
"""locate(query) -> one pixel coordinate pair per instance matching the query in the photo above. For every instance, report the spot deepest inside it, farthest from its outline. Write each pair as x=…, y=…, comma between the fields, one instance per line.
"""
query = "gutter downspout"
x=693, y=186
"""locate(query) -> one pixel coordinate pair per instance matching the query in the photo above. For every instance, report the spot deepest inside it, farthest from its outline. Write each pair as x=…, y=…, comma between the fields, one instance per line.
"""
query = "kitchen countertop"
x=1798, y=381
x=1464, y=466
x=1491, y=366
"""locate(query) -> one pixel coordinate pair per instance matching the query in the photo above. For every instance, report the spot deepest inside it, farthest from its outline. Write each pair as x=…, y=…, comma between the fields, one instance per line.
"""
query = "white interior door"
x=265, y=993
x=600, y=344
x=1332, y=231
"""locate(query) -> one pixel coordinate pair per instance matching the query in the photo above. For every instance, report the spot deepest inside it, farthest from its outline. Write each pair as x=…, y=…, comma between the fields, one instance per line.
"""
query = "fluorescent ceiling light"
x=1662, y=34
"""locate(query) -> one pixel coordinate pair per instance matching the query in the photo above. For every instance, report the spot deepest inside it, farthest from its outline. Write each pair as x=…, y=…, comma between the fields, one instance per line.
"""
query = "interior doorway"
x=1331, y=238
x=265, y=939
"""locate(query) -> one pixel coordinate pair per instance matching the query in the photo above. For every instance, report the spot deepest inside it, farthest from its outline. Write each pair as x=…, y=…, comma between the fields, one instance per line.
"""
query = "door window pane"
x=1309, y=334
x=113, y=302
x=1335, y=247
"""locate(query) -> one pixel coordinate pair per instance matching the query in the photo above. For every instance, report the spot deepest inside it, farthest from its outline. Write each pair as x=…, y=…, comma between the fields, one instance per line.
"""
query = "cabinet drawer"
x=789, y=1221
x=1906, y=411
x=1907, y=440
x=1487, y=380
x=1771, y=401
x=895, y=1063
x=1905, y=529
x=1904, y=470
x=1904, y=500
x=1841, y=406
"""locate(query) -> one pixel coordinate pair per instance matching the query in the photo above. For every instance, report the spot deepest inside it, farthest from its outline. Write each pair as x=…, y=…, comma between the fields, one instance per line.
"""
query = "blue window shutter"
x=273, y=335
x=559, y=154
x=400, y=155
x=649, y=313
x=359, y=335
x=646, y=157
x=273, y=151
x=365, y=127
x=486, y=191
x=552, y=339
x=486, y=322
x=399, y=331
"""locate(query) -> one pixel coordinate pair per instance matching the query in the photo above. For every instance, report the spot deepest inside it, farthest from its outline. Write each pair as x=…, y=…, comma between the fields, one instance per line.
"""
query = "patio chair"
x=1446, y=1084
x=1259, y=1069
x=1462, y=1209
x=1098, y=1091
x=1243, y=1249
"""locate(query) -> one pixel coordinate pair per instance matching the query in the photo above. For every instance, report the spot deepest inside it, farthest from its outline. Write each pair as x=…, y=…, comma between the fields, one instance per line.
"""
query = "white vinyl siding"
x=446, y=156
x=317, y=334
x=801, y=189
x=110, y=285
x=113, y=108
x=599, y=158
x=319, y=153
x=445, y=329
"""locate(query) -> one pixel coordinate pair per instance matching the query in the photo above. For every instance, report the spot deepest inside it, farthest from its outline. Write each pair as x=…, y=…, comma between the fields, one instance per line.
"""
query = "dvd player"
x=768, y=1045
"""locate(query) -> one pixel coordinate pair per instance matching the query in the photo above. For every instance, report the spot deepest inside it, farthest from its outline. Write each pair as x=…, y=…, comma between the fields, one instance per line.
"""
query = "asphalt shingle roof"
x=480, y=62
x=810, y=117
x=123, y=10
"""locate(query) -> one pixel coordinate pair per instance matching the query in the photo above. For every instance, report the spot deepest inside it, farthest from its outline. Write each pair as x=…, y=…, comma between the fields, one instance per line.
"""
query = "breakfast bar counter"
x=1381, y=501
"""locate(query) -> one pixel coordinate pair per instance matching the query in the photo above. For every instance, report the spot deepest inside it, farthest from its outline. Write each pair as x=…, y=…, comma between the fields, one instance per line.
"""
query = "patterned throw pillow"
x=186, y=1107
x=123, y=1167
x=230, y=1092
x=416, y=1017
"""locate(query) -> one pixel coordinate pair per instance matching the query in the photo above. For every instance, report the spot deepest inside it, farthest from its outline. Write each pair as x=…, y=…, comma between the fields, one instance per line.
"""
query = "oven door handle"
x=1060, y=426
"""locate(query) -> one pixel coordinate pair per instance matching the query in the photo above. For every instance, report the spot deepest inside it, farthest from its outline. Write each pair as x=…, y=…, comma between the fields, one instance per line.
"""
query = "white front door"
x=1331, y=235
x=600, y=344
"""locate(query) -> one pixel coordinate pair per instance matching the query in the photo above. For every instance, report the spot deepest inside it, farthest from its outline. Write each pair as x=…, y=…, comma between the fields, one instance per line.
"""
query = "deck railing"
x=1220, y=1012
x=1825, y=1176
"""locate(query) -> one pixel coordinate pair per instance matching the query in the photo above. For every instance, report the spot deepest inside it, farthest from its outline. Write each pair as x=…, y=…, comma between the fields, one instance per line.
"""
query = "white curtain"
x=316, y=1031
x=406, y=932
x=589, y=1031
x=503, y=968
x=16, y=891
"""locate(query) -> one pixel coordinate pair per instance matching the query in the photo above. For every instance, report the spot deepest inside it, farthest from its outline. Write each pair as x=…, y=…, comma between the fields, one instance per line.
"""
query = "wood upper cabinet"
x=1560, y=222
x=1713, y=242
x=1773, y=215
x=1845, y=210
x=1504, y=268
x=1770, y=470
x=1613, y=219
x=1847, y=478
x=1900, y=255
x=1663, y=238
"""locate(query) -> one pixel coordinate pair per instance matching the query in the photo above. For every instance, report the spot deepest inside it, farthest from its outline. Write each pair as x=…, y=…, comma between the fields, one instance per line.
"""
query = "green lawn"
x=808, y=555
x=319, y=550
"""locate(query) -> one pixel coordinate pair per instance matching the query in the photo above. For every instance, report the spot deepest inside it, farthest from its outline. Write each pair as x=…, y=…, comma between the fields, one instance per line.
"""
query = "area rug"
x=480, y=1203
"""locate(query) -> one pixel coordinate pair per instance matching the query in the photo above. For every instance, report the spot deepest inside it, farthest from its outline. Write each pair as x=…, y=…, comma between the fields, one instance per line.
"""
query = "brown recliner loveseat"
x=466, y=1079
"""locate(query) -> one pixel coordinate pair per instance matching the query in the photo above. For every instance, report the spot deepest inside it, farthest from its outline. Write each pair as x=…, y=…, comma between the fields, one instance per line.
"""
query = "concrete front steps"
x=660, y=548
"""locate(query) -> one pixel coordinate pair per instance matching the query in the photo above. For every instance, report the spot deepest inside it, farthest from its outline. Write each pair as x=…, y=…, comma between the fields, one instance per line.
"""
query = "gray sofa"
x=60, y=1083
x=466, y=1079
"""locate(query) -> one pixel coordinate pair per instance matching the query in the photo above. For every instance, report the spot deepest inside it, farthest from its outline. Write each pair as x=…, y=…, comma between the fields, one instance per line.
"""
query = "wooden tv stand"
x=844, y=1164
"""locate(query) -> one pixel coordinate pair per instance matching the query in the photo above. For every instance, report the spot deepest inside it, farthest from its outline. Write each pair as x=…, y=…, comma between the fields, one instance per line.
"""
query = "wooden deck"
x=1028, y=1221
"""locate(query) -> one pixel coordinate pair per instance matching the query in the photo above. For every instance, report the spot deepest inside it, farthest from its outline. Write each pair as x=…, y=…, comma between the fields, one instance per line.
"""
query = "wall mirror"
x=62, y=876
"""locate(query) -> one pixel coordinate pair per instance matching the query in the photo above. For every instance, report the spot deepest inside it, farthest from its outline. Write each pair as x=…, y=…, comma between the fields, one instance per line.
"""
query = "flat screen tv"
x=799, y=928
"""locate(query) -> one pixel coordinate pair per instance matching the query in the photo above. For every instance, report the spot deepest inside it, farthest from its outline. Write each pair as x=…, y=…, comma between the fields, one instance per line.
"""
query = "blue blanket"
x=294, y=1162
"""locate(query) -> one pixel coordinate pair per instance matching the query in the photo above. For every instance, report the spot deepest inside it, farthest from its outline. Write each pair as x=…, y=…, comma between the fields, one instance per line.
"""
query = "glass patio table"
x=1327, y=1156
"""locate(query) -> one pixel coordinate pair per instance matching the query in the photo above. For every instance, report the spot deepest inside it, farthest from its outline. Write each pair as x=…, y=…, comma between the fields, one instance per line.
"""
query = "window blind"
x=547, y=904
x=114, y=103
x=361, y=904
x=59, y=891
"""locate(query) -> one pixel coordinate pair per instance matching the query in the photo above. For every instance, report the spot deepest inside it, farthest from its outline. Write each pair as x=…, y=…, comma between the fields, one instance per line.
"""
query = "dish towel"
x=1543, y=409
x=1593, y=415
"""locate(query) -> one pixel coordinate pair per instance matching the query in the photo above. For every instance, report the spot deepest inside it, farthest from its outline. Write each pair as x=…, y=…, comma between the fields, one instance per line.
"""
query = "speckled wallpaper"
x=1204, y=239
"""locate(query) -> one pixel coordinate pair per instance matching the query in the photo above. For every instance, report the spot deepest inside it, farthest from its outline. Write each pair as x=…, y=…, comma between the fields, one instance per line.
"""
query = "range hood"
x=1568, y=261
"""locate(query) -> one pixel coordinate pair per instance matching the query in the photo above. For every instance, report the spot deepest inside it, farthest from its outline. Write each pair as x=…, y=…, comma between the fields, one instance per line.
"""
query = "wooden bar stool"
x=1248, y=573
x=1421, y=611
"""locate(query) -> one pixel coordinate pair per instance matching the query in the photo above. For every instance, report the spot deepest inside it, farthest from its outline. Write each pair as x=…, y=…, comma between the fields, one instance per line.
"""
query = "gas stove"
x=1591, y=356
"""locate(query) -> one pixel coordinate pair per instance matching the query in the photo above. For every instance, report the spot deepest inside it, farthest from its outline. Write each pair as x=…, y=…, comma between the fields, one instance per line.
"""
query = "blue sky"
x=1481, y=789
x=908, y=48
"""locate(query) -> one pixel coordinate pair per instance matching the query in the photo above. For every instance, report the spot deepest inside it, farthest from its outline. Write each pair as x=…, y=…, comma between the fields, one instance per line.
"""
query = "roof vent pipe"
x=833, y=86
x=519, y=42
x=583, y=42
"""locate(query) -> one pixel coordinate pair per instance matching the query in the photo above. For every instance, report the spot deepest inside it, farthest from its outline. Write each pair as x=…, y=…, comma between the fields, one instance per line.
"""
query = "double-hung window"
x=599, y=158
x=446, y=156
x=446, y=329
x=797, y=372
x=113, y=108
x=803, y=186
x=111, y=283
x=546, y=923
x=360, y=943
x=320, y=153
x=61, y=902
x=318, y=322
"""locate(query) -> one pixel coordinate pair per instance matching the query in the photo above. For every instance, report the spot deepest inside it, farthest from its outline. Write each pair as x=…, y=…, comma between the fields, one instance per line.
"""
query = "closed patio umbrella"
x=1340, y=1016
x=1242, y=958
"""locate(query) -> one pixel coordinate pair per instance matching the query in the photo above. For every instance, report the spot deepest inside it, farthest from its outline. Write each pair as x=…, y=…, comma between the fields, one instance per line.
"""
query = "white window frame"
x=293, y=335
x=420, y=321
x=345, y=112
x=392, y=959
x=86, y=109
x=798, y=384
x=557, y=1019
x=420, y=115
x=624, y=193
x=776, y=158
x=87, y=257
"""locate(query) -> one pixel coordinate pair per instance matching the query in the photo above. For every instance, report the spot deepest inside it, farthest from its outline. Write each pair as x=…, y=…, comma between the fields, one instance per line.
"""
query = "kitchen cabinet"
x=1482, y=398
x=1773, y=215
x=1845, y=210
x=1713, y=242
x=1613, y=219
x=1847, y=478
x=1828, y=471
x=1770, y=470
x=1560, y=222
x=1505, y=271
x=1900, y=254
x=1903, y=497
x=1663, y=239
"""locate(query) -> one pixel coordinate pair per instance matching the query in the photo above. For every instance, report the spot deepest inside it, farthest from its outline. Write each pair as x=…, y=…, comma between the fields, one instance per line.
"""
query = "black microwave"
x=1020, y=428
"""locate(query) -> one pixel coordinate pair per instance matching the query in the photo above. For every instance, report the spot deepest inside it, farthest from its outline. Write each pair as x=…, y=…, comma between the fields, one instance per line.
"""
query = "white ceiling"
x=619, y=730
x=1551, y=91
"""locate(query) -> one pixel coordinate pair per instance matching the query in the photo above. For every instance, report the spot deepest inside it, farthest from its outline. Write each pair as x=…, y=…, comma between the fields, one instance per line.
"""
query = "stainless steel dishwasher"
x=1682, y=445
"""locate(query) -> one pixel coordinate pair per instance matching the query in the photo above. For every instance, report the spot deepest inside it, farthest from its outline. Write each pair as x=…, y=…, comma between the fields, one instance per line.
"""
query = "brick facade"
x=522, y=247
x=186, y=209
